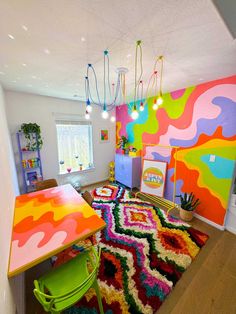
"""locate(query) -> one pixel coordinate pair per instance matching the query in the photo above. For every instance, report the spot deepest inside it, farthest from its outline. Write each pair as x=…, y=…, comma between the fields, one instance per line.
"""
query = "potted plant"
x=32, y=134
x=188, y=205
x=123, y=144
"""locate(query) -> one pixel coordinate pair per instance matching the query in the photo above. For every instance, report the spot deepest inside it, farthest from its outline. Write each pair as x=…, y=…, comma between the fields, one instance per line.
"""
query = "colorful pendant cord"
x=161, y=60
x=140, y=95
x=152, y=87
x=137, y=81
x=123, y=88
x=108, y=106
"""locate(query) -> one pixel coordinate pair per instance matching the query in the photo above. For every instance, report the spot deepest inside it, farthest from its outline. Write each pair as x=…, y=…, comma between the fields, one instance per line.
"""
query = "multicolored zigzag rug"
x=144, y=253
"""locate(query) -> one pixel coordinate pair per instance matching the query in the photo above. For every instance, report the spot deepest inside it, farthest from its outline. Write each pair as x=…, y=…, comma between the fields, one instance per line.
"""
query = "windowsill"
x=77, y=171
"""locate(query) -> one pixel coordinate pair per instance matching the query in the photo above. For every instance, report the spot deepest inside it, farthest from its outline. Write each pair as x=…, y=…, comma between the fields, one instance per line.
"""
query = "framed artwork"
x=153, y=177
x=104, y=136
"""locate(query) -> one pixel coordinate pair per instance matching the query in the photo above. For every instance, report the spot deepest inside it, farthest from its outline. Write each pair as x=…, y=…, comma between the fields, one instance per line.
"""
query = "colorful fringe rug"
x=144, y=254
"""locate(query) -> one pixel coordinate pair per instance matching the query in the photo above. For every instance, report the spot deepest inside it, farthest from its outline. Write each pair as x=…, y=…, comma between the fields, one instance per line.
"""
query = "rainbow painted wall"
x=201, y=121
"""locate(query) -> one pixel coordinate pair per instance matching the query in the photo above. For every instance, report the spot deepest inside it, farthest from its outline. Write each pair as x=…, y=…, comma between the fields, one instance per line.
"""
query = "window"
x=75, y=147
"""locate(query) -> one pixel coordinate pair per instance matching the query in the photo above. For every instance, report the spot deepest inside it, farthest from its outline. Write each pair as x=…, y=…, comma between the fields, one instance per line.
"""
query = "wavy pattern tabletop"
x=46, y=222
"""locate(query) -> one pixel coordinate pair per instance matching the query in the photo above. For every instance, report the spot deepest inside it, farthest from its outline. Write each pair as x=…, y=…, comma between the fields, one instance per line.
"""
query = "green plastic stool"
x=64, y=286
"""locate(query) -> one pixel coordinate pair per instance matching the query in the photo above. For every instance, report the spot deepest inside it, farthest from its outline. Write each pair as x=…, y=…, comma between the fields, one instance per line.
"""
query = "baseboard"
x=97, y=182
x=231, y=229
x=209, y=222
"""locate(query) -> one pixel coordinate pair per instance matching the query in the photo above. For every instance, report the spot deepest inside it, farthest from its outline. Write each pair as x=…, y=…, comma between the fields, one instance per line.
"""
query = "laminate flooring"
x=208, y=286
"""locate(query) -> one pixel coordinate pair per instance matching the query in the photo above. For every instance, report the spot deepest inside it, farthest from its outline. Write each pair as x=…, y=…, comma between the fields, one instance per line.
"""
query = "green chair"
x=64, y=286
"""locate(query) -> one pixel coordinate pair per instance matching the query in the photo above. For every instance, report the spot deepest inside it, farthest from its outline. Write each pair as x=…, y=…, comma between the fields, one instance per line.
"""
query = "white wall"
x=11, y=291
x=22, y=107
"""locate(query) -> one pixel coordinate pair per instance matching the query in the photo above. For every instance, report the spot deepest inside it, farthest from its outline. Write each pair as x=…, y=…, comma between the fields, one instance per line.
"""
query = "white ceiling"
x=49, y=58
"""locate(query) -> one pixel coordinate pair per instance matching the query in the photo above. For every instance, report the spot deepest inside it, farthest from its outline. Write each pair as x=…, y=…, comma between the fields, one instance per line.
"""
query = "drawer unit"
x=128, y=170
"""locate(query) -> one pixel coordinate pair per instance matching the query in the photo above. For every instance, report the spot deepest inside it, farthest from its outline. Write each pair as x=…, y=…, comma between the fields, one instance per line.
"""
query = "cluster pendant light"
x=153, y=88
x=111, y=95
x=116, y=95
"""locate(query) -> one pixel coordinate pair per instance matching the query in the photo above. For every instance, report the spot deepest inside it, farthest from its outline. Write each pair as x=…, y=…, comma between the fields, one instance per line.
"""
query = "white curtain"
x=74, y=145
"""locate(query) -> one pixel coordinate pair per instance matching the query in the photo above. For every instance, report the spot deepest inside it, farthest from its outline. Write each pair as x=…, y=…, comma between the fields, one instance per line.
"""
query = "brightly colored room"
x=118, y=157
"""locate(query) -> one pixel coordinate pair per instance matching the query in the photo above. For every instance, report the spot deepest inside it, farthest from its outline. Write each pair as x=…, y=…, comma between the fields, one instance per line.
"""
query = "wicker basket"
x=185, y=215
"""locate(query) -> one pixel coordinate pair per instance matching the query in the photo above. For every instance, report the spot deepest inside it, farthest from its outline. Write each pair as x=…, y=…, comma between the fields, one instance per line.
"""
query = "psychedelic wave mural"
x=201, y=122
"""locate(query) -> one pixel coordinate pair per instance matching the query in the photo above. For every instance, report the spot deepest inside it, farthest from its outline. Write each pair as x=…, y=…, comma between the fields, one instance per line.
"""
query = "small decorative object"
x=68, y=170
x=32, y=177
x=61, y=162
x=104, y=136
x=132, y=151
x=32, y=134
x=80, y=166
x=188, y=205
x=123, y=143
x=112, y=171
x=153, y=177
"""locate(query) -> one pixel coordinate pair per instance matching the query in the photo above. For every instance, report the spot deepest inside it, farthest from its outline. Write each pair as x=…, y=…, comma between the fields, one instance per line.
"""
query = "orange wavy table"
x=46, y=222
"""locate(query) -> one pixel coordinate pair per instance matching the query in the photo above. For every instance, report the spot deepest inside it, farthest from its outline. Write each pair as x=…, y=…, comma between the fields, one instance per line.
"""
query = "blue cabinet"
x=128, y=170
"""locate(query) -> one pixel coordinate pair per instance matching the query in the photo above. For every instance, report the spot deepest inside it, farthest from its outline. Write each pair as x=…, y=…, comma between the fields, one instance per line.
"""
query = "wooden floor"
x=207, y=287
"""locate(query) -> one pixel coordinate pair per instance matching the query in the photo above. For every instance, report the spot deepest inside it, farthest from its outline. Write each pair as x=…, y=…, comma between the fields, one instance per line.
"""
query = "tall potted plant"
x=32, y=134
x=188, y=205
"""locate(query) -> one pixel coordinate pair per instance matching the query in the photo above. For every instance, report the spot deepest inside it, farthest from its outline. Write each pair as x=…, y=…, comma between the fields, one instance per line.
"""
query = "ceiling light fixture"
x=83, y=39
x=111, y=95
x=24, y=64
x=11, y=36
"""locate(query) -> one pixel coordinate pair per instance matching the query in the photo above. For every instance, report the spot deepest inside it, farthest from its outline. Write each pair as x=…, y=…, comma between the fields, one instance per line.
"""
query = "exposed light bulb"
x=87, y=116
x=155, y=106
x=89, y=108
x=141, y=108
x=159, y=100
x=113, y=119
x=134, y=114
x=105, y=114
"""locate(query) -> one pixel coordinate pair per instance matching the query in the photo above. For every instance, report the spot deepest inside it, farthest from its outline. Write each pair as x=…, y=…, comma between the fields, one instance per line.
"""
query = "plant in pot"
x=123, y=144
x=32, y=134
x=188, y=205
